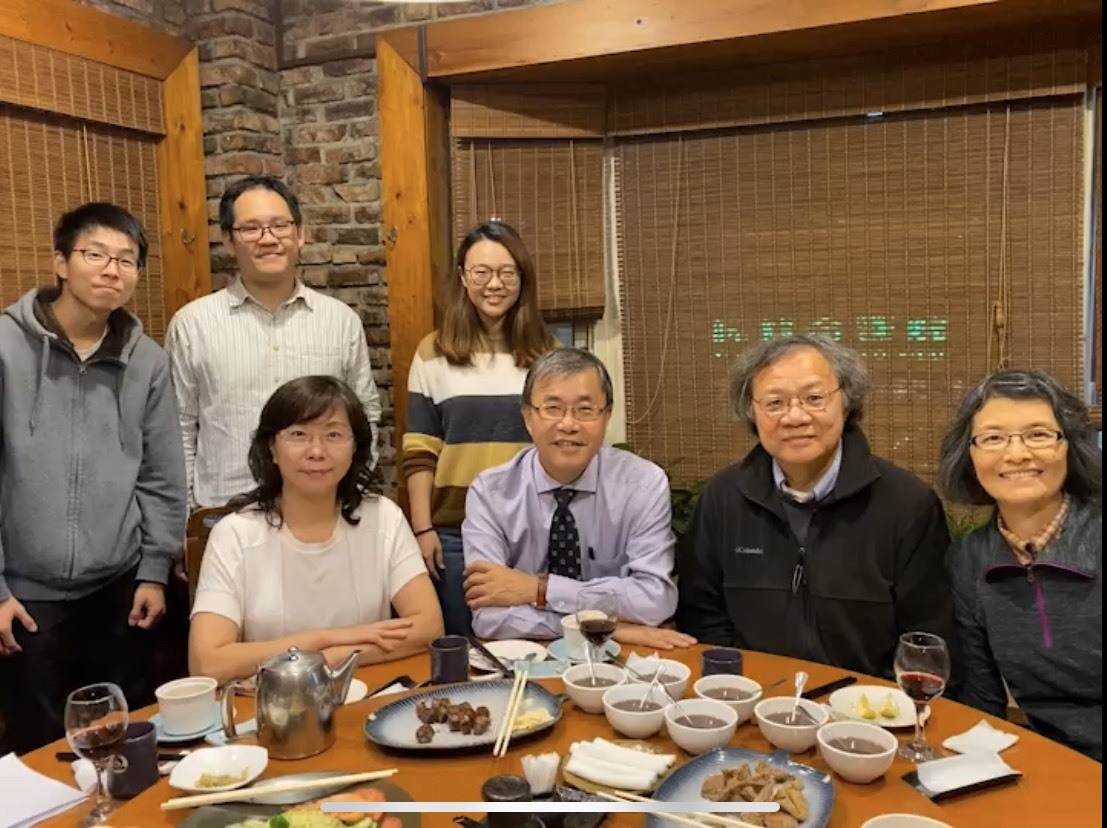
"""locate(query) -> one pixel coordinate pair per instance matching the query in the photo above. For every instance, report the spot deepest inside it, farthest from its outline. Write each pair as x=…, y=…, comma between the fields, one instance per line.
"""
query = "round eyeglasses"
x=481, y=275
x=811, y=402
x=100, y=259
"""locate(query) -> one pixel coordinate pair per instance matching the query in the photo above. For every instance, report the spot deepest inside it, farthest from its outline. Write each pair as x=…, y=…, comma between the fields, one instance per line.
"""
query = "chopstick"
x=518, y=689
x=246, y=794
x=697, y=818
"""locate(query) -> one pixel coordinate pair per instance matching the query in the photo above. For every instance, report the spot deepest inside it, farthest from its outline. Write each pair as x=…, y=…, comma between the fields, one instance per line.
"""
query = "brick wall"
x=165, y=15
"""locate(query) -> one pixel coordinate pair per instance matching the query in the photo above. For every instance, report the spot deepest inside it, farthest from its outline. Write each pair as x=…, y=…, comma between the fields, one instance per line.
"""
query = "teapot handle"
x=227, y=707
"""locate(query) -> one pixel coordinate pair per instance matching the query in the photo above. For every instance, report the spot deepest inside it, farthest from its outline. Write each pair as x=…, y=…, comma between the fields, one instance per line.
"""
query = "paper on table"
x=955, y=772
x=981, y=737
x=29, y=797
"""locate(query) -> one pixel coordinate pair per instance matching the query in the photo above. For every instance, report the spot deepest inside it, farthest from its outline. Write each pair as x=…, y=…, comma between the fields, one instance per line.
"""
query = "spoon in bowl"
x=801, y=682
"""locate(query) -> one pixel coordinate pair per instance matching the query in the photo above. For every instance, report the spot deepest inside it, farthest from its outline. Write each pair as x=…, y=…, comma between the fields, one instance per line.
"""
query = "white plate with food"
x=510, y=650
x=875, y=704
x=215, y=769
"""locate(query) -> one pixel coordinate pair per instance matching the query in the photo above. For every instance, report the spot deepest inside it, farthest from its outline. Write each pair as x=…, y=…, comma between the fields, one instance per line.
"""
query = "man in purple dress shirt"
x=569, y=515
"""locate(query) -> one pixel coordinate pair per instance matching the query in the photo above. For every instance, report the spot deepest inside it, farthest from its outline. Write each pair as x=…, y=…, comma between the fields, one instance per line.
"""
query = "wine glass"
x=597, y=616
x=922, y=670
x=95, y=726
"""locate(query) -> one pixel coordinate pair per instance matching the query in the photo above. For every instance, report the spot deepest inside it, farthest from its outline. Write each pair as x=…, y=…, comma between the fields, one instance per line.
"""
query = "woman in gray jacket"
x=1028, y=600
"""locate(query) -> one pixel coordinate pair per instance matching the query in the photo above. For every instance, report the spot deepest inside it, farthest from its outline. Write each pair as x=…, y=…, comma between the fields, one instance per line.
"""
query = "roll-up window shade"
x=49, y=164
x=942, y=245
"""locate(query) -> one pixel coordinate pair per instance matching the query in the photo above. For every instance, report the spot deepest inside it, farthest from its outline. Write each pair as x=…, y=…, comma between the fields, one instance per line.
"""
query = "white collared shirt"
x=229, y=354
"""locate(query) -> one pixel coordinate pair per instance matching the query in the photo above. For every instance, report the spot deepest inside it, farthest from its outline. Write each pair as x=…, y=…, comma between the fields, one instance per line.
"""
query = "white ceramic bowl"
x=903, y=821
x=859, y=768
x=668, y=667
x=228, y=760
x=590, y=699
x=187, y=705
x=635, y=724
x=696, y=740
x=792, y=738
x=743, y=707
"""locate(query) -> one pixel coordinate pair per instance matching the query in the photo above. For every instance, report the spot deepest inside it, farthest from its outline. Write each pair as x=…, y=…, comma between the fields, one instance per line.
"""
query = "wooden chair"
x=196, y=540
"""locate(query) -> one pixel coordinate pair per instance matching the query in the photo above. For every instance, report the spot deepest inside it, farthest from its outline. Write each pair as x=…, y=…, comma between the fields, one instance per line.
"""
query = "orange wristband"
x=540, y=598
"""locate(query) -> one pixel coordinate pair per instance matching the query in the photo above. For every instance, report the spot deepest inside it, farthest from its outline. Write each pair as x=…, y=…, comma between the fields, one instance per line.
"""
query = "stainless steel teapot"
x=296, y=697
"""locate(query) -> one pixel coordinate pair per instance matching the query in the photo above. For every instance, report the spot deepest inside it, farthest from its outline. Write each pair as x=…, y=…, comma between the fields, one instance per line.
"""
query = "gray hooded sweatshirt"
x=92, y=476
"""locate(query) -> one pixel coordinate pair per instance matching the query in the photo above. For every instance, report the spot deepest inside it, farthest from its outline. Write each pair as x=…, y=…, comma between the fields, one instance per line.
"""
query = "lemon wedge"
x=864, y=709
x=889, y=710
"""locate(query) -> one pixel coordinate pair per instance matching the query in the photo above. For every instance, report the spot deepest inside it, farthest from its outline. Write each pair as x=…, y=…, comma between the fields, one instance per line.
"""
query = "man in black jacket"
x=812, y=546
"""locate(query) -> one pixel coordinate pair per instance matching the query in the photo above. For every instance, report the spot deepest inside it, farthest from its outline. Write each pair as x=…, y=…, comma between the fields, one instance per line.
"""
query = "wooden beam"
x=580, y=33
x=186, y=264
x=411, y=207
x=93, y=34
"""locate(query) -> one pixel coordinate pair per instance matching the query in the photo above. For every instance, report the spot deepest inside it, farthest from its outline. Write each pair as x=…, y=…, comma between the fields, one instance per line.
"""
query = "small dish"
x=176, y=738
x=244, y=762
x=510, y=650
x=859, y=768
x=845, y=702
x=697, y=740
x=558, y=650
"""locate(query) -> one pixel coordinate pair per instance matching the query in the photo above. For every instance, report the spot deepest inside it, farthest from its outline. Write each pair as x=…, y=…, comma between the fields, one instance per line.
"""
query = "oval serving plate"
x=845, y=703
x=582, y=784
x=393, y=726
x=222, y=816
x=684, y=784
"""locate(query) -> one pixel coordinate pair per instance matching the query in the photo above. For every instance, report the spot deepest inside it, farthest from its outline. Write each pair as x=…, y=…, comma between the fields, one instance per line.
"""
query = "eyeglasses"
x=557, y=411
x=481, y=275
x=811, y=402
x=1035, y=438
x=100, y=259
x=335, y=438
x=277, y=229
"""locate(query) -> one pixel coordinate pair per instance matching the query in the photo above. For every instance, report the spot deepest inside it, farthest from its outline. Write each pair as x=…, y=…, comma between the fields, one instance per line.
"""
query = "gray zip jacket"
x=1039, y=628
x=92, y=478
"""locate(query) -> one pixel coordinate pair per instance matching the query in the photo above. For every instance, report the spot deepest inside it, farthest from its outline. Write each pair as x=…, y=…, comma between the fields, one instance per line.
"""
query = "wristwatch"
x=540, y=598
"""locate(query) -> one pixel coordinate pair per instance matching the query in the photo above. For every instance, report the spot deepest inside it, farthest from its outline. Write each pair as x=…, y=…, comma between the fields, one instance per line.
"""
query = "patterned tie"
x=564, y=552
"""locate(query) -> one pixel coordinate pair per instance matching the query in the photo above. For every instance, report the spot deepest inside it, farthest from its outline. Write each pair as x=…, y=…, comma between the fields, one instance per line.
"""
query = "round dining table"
x=1058, y=787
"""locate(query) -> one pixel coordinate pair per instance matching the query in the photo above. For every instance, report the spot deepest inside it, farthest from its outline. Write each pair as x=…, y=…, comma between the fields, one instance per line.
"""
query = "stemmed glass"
x=597, y=615
x=95, y=726
x=922, y=670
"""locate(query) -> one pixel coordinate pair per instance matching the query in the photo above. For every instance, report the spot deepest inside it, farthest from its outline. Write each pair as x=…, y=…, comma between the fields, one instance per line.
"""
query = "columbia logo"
x=748, y=550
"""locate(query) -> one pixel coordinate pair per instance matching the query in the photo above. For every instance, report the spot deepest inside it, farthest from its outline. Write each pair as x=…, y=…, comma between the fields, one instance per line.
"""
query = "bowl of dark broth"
x=738, y=692
x=586, y=686
x=636, y=710
x=856, y=751
x=793, y=732
x=700, y=725
x=673, y=674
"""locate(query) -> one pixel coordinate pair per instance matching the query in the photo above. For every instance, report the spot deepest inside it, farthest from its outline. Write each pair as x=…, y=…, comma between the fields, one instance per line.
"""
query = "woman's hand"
x=431, y=547
x=384, y=635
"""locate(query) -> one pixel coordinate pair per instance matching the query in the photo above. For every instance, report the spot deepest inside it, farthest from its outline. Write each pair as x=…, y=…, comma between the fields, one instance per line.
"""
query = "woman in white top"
x=313, y=558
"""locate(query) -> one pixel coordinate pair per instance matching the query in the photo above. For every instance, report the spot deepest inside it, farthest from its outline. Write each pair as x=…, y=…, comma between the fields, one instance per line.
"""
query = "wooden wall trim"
x=579, y=31
x=93, y=34
x=411, y=208
x=186, y=265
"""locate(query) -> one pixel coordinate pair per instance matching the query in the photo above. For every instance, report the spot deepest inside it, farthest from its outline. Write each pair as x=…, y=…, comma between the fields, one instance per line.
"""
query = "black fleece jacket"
x=872, y=566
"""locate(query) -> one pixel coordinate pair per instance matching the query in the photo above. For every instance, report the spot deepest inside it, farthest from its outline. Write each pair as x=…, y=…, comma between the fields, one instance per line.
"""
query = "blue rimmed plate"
x=394, y=725
x=684, y=784
x=165, y=738
x=559, y=652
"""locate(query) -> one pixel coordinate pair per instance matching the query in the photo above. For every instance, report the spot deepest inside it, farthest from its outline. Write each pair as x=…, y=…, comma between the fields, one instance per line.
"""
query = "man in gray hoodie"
x=92, y=481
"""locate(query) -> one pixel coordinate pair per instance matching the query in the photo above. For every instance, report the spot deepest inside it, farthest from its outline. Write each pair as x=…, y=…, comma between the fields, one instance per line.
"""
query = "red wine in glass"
x=99, y=742
x=597, y=631
x=921, y=687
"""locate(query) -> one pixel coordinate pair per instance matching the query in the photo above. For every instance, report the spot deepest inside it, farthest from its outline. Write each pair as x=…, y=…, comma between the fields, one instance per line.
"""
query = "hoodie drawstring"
x=44, y=362
x=119, y=409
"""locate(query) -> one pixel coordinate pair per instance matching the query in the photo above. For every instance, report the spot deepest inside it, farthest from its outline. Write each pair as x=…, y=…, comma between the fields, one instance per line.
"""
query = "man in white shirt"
x=230, y=350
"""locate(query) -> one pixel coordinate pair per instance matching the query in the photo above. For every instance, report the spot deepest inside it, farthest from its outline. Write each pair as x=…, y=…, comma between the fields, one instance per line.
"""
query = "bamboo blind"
x=532, y=155
x=52, y=81
x=551, y=191
x=49, y=164
x=1097, y=274
x=940, y=245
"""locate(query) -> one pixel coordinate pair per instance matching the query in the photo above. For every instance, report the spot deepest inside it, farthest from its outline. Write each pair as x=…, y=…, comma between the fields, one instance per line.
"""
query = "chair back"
x=196, y=540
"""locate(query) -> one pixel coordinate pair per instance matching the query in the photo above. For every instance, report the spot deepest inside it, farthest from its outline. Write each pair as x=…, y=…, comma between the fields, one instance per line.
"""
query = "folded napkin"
x=981, y=737
x=644, y=666
x=954, y=772
x=84, y=774
x=29, y=797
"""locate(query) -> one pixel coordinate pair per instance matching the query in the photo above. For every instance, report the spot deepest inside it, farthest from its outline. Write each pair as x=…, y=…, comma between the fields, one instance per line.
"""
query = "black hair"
x=256, y=182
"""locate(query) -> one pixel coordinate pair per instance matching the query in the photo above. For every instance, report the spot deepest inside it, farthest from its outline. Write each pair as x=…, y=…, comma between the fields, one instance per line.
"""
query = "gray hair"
x=567, y=362
x=956, y=473
x=850, y=371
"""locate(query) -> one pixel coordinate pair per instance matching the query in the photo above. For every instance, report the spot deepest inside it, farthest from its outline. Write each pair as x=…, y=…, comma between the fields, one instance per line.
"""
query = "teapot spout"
x=342, y=675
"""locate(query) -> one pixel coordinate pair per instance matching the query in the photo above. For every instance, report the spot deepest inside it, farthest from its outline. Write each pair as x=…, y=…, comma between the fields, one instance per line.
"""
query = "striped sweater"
x=461, y=420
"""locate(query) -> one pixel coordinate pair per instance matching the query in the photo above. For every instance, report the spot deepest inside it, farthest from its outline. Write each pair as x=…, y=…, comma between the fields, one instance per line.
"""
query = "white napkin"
x=29, y=797
x=955, y=772
x=981, y=737
x=644, y=666
x=84, y=774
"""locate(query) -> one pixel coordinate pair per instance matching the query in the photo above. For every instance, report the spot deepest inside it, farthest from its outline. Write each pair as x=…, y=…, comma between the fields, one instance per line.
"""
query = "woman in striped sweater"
x=464, y=397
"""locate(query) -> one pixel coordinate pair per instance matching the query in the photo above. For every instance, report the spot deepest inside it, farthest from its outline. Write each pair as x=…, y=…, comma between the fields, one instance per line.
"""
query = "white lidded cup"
x=574, y=639
x=187, y=705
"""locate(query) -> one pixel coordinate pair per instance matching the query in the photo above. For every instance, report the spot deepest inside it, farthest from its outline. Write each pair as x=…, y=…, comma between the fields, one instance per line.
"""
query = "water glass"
x=721, y=661
x=449, y=659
